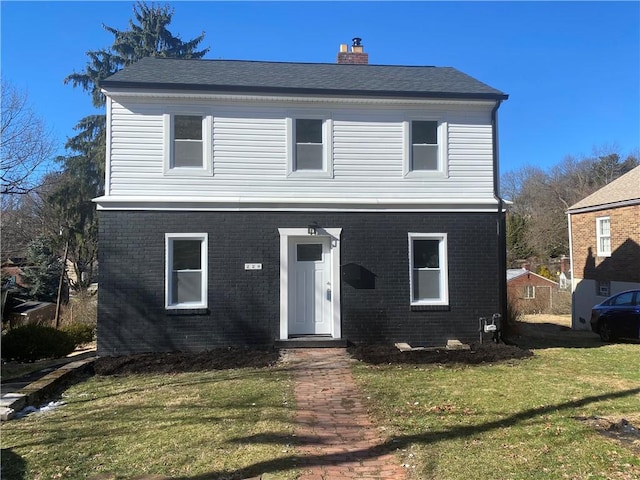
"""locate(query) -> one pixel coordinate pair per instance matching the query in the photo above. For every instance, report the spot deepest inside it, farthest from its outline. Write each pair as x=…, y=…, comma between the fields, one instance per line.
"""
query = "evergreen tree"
x=43, y=270
x=147, y=35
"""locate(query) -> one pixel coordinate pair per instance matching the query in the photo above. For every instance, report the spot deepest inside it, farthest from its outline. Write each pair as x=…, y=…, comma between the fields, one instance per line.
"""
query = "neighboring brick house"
x=604, y=236
x=533, y=293
x=251, y=203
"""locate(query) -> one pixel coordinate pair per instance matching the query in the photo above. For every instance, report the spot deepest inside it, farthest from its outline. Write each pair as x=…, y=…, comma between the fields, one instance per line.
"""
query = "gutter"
x=500, y=218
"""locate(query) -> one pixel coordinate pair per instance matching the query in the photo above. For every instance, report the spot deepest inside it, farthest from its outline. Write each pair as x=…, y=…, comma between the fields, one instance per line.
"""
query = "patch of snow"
x=43, y=409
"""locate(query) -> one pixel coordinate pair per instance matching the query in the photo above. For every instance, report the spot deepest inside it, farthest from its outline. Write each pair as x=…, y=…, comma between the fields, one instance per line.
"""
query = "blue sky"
x=571, y=69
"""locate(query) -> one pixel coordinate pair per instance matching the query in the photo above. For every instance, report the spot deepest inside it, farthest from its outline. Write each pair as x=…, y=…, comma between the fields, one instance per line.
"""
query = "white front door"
x=310, y=286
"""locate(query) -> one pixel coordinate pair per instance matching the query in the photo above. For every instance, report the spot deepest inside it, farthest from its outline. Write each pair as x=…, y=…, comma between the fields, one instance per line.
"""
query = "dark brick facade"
x=244, y=304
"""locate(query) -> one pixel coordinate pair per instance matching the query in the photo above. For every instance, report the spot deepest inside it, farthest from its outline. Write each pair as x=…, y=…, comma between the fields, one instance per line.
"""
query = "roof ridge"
x=238, y=60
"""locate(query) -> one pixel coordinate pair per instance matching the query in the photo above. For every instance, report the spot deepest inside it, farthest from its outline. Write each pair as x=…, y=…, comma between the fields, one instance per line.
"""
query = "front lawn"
x=557, y=415
x=216, y=424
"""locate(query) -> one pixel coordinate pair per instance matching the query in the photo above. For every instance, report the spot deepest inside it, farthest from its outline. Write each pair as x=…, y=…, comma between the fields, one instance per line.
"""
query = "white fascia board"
x=288, y=204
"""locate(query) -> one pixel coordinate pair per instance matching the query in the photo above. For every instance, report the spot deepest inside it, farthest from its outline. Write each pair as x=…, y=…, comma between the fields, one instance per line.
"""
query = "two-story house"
x=250, y=203
x=604, y=237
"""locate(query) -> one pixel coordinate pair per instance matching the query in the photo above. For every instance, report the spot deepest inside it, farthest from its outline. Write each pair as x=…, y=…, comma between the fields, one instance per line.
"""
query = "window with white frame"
x=186, y=270
x=188, y=144
x=529, y=292
x=428, y=270
x=603, y=235
x=309, y=146
x=603, y=288
x=425, y=146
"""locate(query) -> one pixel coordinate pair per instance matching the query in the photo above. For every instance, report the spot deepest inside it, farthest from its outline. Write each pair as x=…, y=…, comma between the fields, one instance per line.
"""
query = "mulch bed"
x=484, y=353
x=228, y=358
x=217, y=359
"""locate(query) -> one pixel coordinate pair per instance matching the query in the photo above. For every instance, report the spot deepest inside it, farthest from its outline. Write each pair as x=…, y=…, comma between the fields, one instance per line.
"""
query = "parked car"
x=618, y=316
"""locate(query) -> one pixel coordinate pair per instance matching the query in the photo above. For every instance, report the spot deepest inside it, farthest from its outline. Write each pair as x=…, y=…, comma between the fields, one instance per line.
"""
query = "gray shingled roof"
x=300, y=78
x=622, y=191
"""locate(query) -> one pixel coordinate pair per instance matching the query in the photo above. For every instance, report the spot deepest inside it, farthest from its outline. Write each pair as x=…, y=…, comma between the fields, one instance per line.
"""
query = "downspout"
x=500, y=220
x=574, y=323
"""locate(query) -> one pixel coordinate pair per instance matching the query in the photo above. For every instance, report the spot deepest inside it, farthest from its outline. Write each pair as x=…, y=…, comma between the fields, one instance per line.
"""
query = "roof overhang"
x=604, y=206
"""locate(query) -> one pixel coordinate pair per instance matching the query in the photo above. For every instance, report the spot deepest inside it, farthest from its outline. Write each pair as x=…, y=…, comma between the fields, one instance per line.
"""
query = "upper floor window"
x=310, y=146
x=428, y=271
x=603, y=236
x=425, y=151
x=188, y=144
x=424, y=145
x=186, y=270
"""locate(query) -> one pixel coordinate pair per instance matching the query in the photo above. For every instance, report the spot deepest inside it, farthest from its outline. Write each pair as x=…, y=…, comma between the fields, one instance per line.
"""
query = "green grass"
x=510, y=421
x=218, y=424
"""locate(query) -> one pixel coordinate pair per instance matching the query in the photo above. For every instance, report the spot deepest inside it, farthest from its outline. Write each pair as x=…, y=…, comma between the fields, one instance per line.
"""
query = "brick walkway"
x=336, y=438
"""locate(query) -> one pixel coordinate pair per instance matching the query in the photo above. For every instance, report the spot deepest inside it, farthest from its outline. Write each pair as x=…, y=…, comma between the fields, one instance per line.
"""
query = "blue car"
x=617, y=317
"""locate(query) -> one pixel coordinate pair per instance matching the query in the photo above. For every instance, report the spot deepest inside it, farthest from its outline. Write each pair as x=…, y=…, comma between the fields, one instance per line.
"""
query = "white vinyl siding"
x=428, y=269
x=185, y=270
x=250, y=152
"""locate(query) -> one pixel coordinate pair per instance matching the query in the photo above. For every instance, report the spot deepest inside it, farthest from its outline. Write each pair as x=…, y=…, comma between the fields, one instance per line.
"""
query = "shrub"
x=35, y=342
x=80, y=332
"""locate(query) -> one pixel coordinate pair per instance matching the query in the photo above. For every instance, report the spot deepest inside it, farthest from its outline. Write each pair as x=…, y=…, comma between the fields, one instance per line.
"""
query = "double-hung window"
x=428, y=270
x=188, y=144
x=603, y=234
x=425, y=151
x=186, y=270
x=309, y=146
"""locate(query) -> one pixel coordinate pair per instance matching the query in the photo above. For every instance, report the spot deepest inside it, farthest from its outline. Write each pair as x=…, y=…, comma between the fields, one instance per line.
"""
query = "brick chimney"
x=355, y=56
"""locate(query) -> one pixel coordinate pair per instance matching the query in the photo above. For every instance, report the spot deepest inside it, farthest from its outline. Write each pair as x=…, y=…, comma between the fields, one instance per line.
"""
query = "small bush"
x=35, y=342
x=80, y=332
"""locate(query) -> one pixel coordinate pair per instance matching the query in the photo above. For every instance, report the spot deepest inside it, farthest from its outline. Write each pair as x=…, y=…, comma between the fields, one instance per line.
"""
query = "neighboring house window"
x=603, y=234
x=603, y=288
x=424, y=149
x=428, y=269
x=188, y=144
x=529, y=292
x=186, y=270
x=309, y=146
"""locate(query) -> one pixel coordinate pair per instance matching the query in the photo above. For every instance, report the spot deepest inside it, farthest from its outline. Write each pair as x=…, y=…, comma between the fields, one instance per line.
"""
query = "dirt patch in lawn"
x=217, y=359
x=484, y=353
x=621, y=430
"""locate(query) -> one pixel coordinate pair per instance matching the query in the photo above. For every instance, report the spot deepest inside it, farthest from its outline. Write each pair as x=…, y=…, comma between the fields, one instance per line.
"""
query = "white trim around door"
x=289, y=239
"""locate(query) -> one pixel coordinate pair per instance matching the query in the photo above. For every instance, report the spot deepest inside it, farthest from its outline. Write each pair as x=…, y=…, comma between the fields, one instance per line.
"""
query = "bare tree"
x=537, y=226
x=28, y=216
x=26, y=144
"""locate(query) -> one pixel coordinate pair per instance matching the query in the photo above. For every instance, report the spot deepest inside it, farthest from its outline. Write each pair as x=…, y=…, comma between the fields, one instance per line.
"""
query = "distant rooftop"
x=622, y=191
x=241, y=76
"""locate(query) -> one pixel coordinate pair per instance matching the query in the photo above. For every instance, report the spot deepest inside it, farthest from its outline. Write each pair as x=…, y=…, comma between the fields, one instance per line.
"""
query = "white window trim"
x=443, y=155
x=529, y=292
x=207, y=145
x=599, y=235
x=444, y=268
x=168, y=262
x=600, y=284
x=327, y=146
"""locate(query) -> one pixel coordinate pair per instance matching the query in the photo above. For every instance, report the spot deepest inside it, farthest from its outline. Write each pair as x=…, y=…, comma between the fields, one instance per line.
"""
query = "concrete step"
x=312, y=341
